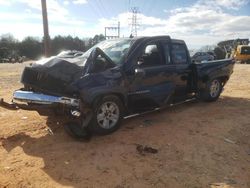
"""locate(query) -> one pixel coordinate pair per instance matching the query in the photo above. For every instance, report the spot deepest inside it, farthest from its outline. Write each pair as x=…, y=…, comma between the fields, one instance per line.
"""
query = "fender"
x=93, y=85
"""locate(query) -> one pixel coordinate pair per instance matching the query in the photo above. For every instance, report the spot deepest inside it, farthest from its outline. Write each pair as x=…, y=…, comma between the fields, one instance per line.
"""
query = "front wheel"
x=212, y=91
x=108, y=112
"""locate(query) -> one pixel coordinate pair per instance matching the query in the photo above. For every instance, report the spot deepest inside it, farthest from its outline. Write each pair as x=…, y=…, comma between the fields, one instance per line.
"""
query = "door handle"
x=140, y=72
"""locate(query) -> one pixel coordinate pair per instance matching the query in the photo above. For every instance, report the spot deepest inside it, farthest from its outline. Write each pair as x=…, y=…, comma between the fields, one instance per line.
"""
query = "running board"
x=157, y=109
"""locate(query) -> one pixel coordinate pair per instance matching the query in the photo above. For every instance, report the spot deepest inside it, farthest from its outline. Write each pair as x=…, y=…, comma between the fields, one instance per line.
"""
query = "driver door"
x=152, y=84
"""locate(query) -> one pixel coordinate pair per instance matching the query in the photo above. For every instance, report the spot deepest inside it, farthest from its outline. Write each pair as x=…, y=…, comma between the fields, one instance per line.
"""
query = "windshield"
x=115, y=49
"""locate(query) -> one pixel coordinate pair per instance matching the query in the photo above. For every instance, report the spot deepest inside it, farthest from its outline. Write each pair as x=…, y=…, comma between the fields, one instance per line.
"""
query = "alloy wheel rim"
x=108, y=115
x=214, y=88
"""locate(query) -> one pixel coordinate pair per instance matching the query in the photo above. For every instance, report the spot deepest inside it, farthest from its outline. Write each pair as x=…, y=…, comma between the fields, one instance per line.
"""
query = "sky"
x=198, y=22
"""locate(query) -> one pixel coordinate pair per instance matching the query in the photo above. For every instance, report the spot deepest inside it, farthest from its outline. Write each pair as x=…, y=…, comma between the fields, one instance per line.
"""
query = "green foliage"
x=59, y=43
x=32, y=47
x=219, y=52
x=8, y=45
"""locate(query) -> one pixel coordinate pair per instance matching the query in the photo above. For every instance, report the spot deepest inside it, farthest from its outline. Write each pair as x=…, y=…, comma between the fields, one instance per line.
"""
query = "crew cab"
x=118, y=78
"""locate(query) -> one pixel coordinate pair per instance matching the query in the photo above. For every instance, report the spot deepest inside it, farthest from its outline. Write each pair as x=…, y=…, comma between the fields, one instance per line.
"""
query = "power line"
x=103, y=7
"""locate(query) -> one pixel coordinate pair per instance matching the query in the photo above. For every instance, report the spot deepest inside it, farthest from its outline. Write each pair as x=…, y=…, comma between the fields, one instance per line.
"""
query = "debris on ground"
x=147, y=123
x=230, y=181
x=129, y=127
x=50, y=131
x=229, y=141
x=145, y=149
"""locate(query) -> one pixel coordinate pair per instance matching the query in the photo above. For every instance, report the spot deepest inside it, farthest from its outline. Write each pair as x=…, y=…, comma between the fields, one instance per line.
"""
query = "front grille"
x=41, y=80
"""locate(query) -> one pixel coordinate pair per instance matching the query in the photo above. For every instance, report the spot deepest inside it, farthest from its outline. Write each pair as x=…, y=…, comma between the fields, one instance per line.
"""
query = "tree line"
x=32, y=47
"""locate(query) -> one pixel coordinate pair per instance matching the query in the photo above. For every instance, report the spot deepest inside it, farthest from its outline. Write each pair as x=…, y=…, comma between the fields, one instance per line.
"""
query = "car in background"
x=202, y=56
x=10, y=56
x=212, y=54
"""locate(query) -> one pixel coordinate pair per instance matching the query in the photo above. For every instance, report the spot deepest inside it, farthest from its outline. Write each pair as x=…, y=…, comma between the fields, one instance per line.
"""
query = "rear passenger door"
x=180, y=59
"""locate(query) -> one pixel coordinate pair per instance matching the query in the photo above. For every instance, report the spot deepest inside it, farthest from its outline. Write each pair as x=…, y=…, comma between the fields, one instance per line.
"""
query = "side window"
x=179, y=54
x=151, y=48
x=151, y=56
x=166, y=53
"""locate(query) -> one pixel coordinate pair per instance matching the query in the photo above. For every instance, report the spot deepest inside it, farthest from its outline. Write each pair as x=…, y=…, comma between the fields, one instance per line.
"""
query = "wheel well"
x=223, y=79
x=119, y=95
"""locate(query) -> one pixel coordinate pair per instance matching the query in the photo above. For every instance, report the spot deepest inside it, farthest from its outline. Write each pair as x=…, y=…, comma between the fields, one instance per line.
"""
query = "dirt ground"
x=199, y=145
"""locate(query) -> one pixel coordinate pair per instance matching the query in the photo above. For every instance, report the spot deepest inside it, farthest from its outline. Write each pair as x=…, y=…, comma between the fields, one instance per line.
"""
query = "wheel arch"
x=223, y=79
x=208, y=78
x=121, y=96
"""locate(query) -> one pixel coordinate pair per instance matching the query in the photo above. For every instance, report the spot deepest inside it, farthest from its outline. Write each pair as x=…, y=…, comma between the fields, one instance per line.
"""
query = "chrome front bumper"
x=38, y=98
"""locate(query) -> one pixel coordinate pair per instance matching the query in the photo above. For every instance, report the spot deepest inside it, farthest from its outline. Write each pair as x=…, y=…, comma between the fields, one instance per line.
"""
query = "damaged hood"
x=57, y=75
x=71, y=69
x=79, y=61
x=64, y=69
x=53, y=75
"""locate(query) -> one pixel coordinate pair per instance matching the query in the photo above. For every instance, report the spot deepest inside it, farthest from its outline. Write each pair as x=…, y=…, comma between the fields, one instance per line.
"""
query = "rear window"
x=179, y=54
x=245, y=50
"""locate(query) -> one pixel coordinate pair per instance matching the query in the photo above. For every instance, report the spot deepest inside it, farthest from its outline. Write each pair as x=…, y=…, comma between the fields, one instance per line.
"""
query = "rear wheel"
x=212, y=91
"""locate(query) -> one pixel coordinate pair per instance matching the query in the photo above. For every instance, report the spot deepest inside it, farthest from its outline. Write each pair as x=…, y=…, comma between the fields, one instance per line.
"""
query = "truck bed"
x=213, y=69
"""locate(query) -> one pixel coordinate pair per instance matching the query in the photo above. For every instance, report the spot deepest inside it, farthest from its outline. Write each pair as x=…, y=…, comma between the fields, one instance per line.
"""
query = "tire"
x=107, y=115
x=75, y=130
x=212, y=91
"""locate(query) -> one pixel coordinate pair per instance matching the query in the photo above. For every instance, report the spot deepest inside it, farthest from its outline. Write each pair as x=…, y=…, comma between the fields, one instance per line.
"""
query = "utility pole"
x=134, y=24
x=115, y=29
x=45, y=29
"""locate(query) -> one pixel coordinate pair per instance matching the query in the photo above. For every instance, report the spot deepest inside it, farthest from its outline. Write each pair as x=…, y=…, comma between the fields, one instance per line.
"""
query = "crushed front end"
x=48, y=89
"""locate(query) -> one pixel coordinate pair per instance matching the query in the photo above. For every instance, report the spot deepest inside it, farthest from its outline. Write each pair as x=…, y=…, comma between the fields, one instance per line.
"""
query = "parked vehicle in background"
x=118, y=78
x=212, y=53
x=202, y=56
x=242, y=54
x=12, y=59
x=10, y=56
x=238, y=49
x=4, y=60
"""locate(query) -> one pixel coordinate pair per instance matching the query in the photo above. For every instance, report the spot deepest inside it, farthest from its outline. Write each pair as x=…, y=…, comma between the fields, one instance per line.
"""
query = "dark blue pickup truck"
x=118, y=78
